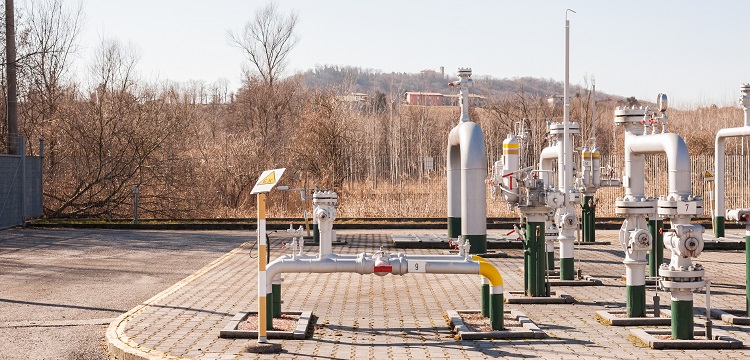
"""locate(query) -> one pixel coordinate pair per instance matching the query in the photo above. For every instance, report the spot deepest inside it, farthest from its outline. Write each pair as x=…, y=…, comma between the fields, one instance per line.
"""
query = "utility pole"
x=10, y=56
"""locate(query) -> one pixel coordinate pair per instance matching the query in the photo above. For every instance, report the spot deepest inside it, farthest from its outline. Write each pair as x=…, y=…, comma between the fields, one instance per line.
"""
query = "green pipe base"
x=454, y=227
x=656, y=255
x=588, y=220
x=478, y=243
x=567, y=268
x=551, y=260
x=636, y=301
x=497, y=316
x=718, y=224
x=747, y=275
x=534, y=260
x=486, y=300
x=682, y=320
x=269, y=311
x=276, y=291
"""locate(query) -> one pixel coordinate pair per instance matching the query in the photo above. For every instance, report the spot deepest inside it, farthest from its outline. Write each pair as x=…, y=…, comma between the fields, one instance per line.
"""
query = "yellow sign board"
x=270, y=179
x=708, y=176
x=267, y=181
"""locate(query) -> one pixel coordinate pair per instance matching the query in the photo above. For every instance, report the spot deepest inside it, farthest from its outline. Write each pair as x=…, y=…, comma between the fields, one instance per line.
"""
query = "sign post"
x=266, y=182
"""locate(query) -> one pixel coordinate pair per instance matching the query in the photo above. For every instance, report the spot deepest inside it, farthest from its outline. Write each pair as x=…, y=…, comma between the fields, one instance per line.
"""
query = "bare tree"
x=50, y=35
x=267, y=41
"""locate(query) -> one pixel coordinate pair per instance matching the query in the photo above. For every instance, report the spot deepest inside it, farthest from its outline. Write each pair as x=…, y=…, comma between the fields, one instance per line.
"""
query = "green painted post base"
x=496, y=312
x=269, y=311
x=636, y=300
x=316, y=234
x=276, y=290
x=454, y=227
x=567, y=268
x=747, y=275
x=656, y=255
x=535, y=259
x=718, y=225
x=551, y=260
x=486, y=300
x=478, y=243
x=682, y=320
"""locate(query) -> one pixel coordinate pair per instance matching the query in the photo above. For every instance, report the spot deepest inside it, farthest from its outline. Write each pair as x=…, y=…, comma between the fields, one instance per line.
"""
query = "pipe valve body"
x=741, y=216
x=685, y=240
x=324, y=212
x=639, y=240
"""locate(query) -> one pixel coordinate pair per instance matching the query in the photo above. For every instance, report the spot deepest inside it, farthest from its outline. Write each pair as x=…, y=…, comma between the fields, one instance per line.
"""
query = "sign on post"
x=707, y=176
x=267, y=181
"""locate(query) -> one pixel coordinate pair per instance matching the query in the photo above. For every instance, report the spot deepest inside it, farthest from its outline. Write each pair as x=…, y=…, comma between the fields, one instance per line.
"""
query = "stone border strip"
x=122, y=347
x=730, y=318
x=299, y=333
x=610, y=318
x=587, y=280
x=556, y=297
x=718, y=342
x=531, y=330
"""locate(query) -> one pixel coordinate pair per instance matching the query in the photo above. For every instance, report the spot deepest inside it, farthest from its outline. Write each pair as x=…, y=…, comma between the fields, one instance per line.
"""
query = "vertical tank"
x=511, y=163
x=586, y=166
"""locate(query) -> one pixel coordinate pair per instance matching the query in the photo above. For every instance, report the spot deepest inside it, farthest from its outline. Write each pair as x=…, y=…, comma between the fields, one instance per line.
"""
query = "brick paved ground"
x=402, y=316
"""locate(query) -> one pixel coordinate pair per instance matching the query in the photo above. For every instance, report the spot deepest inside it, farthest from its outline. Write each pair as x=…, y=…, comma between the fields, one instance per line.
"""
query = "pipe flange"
x=558, y=128
x=680, y=274
x=670, y=207
x=644, y=206
x=689, y=285
x=629, y=115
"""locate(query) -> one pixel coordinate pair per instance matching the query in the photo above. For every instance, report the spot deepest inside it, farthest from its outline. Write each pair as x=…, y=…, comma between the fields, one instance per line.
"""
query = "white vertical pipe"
x=567, y=156
x=593, y=117
x=719, y=166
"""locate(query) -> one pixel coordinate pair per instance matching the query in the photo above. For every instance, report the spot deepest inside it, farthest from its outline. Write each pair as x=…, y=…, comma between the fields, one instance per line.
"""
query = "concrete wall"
x=20, y=189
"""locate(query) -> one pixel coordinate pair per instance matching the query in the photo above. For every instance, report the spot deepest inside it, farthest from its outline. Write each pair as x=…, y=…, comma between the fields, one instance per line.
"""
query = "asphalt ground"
x=60, y=288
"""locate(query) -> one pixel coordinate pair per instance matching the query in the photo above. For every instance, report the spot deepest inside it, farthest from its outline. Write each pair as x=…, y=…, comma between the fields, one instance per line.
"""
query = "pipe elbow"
x=469, y=138
x=490, y=272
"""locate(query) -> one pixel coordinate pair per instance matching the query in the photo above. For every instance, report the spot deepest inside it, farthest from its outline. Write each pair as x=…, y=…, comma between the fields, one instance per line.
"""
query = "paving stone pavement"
x=402, y=317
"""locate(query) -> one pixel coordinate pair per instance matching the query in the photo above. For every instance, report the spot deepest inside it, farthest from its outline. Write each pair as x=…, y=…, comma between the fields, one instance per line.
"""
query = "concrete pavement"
x=403, y=316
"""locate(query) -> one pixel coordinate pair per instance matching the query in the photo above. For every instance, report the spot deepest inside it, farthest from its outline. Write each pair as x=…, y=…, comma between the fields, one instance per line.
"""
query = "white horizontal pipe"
x=335, y=264
x=719, y=164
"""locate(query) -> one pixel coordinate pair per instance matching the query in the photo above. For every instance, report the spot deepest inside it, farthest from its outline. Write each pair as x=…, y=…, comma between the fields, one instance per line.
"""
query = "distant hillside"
x=349, y=79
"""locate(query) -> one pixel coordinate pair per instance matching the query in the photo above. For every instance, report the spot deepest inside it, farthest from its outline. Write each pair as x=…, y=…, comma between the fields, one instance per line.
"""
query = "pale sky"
x=695, y=51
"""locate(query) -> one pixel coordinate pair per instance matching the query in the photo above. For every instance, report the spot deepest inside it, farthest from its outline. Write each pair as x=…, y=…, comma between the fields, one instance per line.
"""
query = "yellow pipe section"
x=489, y=271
